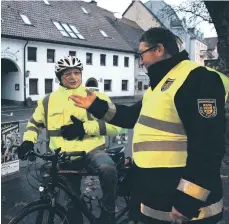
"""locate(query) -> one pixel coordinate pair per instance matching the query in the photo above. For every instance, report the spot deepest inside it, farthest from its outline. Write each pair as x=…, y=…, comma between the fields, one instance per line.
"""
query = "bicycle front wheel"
x=39, y=212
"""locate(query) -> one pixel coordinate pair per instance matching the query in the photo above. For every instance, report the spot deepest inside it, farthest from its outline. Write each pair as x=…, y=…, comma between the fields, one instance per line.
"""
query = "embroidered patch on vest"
x=207, y=107
x=167, y=84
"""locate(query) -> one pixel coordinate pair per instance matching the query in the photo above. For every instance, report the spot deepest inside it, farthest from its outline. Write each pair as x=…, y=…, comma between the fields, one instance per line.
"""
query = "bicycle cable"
x=29, y=171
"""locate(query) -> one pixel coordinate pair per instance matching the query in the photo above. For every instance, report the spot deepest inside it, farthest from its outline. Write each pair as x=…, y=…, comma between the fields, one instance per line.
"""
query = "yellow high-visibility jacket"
x=160, y=141
x=159, y=137
x=54, y=111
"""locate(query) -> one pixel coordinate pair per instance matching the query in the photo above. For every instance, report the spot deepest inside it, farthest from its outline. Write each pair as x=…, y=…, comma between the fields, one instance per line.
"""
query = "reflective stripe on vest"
x=193, y=190
x=89, y=116
x=165, y=126
x=160, y=146
x=45, y=103
x=34, y=129
x=38, y=125
x=110, y=112
x=54, y=133
x=205, y=212
x=102, y=127
x=162, y=125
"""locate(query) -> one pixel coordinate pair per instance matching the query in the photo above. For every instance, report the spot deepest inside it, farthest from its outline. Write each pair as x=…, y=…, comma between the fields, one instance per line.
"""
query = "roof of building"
x=211, y=42
x=42, y=16
x=131, y=34
x=128, y=29
x=162, y=25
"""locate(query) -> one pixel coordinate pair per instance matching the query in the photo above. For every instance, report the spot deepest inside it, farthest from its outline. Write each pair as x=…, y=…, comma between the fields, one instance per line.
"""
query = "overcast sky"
x=121, y=5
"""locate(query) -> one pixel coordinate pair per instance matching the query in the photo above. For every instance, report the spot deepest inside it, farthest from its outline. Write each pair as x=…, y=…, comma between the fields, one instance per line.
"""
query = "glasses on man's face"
x=141, y=54
x=68, y=74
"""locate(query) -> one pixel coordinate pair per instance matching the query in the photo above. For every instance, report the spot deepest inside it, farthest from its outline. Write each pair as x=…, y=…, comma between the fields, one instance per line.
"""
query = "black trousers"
x=74, y=215
x=100, y=162
x=145, y=183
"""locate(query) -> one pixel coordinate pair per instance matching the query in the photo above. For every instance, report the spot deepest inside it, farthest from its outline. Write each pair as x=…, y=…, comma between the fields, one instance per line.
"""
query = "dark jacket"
x=206, y=144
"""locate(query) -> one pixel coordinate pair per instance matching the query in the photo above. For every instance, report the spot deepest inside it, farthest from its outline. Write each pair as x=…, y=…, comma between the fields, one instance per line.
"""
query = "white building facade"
x=33, y=65
x=32, y=44
x=198, y=52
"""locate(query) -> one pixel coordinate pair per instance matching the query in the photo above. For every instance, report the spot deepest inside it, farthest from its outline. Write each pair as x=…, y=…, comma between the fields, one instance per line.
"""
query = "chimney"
x=93, y=2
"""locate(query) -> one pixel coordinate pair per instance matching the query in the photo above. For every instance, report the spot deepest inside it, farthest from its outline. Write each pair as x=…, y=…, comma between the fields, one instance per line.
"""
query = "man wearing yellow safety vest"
x=74, y=129
x=179, y=127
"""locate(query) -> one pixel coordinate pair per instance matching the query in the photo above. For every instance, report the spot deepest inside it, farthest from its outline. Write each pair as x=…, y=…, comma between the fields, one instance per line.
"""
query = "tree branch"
x=180, y=9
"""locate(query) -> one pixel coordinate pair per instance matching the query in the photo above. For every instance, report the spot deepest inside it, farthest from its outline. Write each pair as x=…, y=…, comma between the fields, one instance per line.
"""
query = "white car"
x=93, y=89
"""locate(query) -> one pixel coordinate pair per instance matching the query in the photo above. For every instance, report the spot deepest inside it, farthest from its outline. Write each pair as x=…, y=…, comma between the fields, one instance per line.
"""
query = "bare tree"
x=215, y=12
x=219, y=14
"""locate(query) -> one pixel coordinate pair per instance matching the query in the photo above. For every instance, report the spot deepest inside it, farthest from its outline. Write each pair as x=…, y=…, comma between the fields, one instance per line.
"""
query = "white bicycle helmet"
x=67, y=62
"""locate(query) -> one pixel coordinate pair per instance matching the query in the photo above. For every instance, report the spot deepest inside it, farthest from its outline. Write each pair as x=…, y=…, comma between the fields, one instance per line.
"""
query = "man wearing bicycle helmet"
x=71, y=128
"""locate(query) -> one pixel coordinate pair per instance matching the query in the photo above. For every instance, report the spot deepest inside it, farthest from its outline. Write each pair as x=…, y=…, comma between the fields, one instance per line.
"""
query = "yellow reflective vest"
x=54, y=111
x=159, y=137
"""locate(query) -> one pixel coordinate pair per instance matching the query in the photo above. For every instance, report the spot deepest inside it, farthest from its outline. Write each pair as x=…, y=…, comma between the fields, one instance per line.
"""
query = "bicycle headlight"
x=41, y=189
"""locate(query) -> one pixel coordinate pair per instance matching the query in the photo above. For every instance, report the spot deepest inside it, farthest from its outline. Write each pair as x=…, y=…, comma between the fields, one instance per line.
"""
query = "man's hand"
x=73, y=131
x=24, y=148
x=177, y=217
x=84, y=102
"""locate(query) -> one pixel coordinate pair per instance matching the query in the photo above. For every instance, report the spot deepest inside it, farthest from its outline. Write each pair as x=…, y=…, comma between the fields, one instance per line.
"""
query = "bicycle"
x=54, y=181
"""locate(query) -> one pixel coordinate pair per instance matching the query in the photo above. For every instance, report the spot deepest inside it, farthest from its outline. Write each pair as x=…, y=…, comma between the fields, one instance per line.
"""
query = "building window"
x=146, y=87
x=124, y=85
x=61, y=29
x=72, y=53
x=139, y=85
x=50, y=55
x=79, y=35
x=115, y=60
x=103, y=59
x=89, y=58
x=46, y=2
x=25, y=19
x=32, y=54
x=103, y=33
x=126, y=61
x=68, y=30
x=48, y=85
x=33, y=84
x=107, y=85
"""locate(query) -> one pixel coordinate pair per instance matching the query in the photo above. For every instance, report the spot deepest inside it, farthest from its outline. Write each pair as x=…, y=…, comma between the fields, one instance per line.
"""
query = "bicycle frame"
x=57, y=182
x=55, y=178
x=78, y=202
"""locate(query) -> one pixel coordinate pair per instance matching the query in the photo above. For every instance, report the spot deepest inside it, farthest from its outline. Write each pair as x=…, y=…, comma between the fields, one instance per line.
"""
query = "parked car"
x=93, y=89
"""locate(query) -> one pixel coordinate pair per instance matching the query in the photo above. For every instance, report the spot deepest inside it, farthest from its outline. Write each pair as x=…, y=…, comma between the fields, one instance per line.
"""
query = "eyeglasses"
x=140, y=54
x=68, y=74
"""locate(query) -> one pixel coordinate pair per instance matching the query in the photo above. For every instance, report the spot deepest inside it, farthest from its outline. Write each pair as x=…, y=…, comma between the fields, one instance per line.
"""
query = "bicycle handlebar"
x=60, y=155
